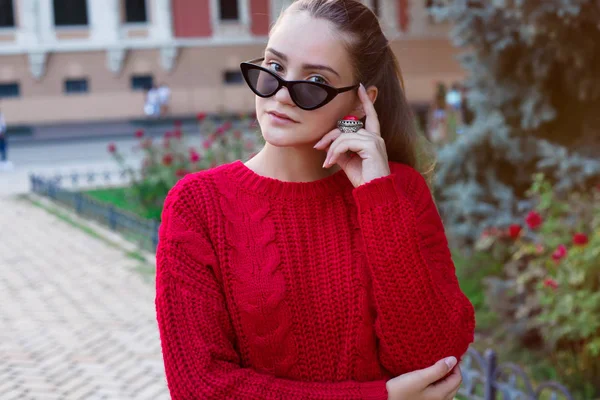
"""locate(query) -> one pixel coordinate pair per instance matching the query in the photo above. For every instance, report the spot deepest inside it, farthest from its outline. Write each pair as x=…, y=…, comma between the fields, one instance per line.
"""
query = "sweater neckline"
x=250, y=180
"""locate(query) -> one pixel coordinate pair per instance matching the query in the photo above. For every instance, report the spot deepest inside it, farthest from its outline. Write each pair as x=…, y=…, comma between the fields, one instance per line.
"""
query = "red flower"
x=139, y=133
x=168, y=134
x=167, y=159
x=112, y=148
x=514, y=231
x=551, y=283
x=178, y=124
x=178, y=134
x=237, y=135
x=181, y=172
x=580, y=239
x=227, y=125
x=559, y=253
x=207, y=144
x=194, y=157
x=220, y=130
x=533, y=220
x=200, y=117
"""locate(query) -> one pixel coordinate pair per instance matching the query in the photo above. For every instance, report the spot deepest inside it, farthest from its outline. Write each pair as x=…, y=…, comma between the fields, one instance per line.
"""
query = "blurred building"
x=73, y=60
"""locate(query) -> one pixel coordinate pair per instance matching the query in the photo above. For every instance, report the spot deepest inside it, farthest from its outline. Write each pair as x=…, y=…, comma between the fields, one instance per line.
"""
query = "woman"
x=317, y=269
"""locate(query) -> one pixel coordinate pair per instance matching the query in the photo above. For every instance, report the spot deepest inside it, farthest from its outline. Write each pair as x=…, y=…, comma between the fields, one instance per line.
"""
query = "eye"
x=318, y=79
x=274, y=66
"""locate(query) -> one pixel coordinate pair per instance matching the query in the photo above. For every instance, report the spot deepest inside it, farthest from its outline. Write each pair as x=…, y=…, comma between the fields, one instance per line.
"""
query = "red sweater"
x=303, y=290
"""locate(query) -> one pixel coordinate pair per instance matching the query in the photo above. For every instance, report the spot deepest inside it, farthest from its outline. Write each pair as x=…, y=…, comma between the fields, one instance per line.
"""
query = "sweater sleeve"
x=422, y=314
x=197, y=337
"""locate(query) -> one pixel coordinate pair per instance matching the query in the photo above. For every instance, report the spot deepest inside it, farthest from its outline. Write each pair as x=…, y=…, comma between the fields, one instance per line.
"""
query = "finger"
x=447, y=388
x=437, y=371
x=372, y=121
x=344, y=158
x=343, y=144
x=453, y=393
x=327, y=139
x=376, y=144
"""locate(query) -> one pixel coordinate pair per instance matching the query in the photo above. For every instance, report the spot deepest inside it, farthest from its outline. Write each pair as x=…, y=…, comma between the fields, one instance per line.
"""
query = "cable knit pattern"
x=259, y=288
x=310, y=290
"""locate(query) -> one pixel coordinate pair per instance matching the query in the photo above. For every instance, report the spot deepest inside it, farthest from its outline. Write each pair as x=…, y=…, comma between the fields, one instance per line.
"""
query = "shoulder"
x=410, y=181
x=193, y=195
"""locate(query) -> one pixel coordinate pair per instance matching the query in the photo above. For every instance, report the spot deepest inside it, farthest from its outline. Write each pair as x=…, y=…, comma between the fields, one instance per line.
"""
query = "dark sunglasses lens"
x=308, y=95
x=263, y=82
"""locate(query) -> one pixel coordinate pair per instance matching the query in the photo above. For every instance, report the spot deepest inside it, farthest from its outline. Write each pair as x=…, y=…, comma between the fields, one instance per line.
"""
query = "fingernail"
x=362, y=86
x=450, y=362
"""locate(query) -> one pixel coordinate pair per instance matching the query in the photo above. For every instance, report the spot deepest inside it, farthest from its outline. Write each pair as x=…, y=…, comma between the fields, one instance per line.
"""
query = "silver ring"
x=349, y=126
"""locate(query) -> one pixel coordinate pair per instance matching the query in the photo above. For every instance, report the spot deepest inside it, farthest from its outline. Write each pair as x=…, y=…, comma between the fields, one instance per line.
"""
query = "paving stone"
x=78, y=320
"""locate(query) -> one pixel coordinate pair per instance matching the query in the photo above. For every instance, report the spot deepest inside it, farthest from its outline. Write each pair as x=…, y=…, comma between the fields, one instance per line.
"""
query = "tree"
x=534, y=86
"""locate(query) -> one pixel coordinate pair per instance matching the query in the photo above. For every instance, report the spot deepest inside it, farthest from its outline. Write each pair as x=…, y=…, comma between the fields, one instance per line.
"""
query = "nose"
x=283, y=96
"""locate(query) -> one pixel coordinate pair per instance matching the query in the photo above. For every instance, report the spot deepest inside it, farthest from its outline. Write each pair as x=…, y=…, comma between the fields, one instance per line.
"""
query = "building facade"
x=85, y=60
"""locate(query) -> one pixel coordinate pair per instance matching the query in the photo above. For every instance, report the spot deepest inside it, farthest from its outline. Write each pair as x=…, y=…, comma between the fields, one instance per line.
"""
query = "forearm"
x=422, y=314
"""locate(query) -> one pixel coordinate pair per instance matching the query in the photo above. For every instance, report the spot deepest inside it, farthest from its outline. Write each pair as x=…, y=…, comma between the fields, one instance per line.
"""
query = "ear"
x=372, y=92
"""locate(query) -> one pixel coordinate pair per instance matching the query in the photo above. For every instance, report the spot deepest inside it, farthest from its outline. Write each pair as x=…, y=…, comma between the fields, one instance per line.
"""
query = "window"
x=142, y=82
x=233, y=77
x=10, y=90
x=229, y=10
x=7, y=14
x=76, y=86
x=70, y=12
x=135, y=11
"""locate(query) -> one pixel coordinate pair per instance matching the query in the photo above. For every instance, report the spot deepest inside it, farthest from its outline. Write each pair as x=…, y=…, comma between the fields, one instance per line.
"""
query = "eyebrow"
x=304, y=66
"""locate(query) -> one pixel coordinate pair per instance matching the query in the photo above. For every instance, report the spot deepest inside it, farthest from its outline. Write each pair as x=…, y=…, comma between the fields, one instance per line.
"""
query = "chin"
x=285, y=136
x=280, y=138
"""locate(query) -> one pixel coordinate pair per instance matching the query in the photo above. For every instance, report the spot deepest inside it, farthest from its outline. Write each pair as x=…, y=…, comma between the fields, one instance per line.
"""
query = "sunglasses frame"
x=331, y=91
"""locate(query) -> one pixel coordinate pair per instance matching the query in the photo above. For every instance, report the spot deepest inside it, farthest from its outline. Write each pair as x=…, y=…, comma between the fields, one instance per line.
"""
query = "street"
x=67, y=155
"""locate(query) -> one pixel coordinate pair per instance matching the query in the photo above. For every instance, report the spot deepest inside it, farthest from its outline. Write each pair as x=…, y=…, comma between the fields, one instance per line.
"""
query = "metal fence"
x=483, y=377
x=66, y=189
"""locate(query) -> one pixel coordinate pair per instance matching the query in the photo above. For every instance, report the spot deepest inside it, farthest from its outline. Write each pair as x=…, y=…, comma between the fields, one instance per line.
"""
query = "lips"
x=281, y=115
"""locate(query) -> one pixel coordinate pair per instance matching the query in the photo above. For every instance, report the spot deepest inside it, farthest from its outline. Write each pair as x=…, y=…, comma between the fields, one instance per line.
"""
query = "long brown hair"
x=374, y=64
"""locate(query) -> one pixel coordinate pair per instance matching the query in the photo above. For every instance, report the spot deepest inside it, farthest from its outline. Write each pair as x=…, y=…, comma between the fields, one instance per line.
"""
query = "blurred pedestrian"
x=454, y=111
x=453, y=97
x=164, y=96
x=467, y=111
x=437, y=125
x=4, y=163
x=2, y=137
x=152, y=105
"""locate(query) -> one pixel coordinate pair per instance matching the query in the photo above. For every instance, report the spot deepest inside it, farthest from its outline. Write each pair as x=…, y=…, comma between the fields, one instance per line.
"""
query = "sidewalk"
x=78, y=321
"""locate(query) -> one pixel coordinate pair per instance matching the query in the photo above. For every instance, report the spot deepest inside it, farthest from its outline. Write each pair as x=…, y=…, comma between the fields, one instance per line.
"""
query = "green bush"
x=548, y=294
x=171, y=158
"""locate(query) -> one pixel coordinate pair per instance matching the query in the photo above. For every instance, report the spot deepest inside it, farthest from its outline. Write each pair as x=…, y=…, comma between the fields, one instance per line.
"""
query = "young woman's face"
x=304, y=48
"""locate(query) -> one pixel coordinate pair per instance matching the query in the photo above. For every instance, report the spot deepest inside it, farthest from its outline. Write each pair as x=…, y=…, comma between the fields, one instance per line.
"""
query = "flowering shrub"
x=172, y=157
x=548, y=295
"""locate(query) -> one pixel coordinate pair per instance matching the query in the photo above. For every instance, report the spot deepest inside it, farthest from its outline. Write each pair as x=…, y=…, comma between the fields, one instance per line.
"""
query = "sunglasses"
x=305, y=94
